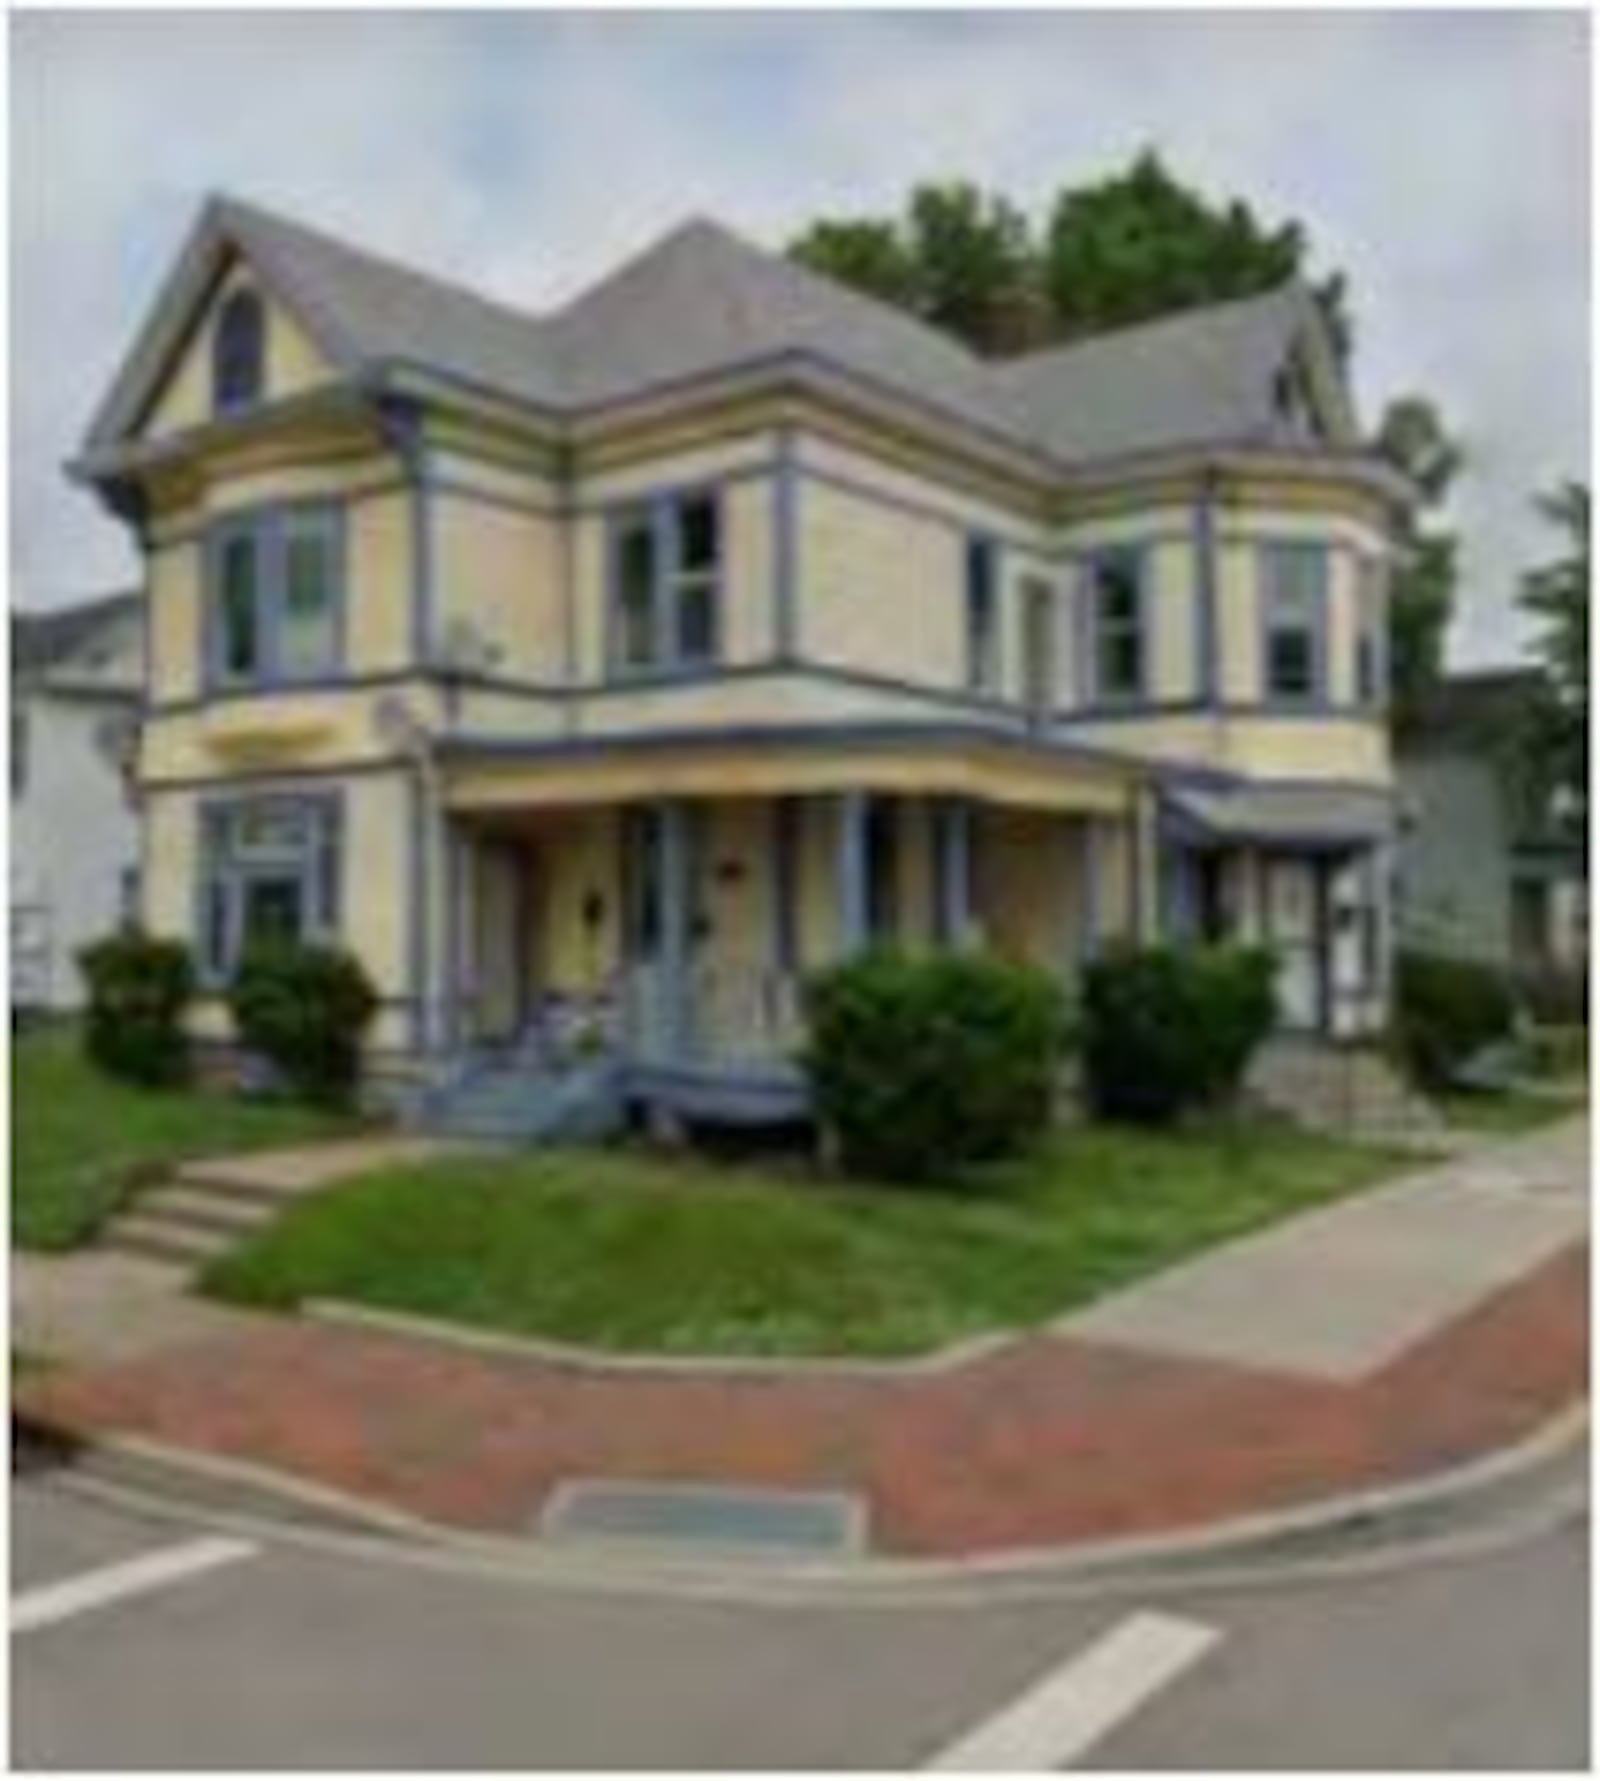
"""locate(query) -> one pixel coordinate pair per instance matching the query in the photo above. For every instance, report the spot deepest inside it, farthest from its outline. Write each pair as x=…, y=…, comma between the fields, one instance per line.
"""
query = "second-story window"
x=666, y=584
x=1116, y=609
x=238, y=353
x=1294, y=593
x=275, y=596
x=983, y=617
x=1372, y=620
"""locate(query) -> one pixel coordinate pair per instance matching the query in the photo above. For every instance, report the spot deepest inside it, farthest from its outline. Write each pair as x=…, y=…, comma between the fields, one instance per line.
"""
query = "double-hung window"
x=1372, y=630
x=269, y=870
x=1294, y=594
x=1117, y=615
x=983, y=616
x=276, y=590
x=666, y=584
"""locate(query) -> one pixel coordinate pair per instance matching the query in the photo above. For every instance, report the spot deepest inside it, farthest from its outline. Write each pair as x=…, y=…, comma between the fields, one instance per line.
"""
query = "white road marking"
x=82, y=1594
x=1068, y=1711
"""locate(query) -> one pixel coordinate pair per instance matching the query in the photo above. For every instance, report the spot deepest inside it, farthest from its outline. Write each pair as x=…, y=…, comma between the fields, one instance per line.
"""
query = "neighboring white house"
x=77, y=680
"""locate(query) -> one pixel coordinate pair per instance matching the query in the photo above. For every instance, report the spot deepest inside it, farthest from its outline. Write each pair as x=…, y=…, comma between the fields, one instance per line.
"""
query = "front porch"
x=665, y=942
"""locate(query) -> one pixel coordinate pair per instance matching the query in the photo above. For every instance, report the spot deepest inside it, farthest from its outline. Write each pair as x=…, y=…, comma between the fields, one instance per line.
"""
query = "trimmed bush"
x=305, y=1008
x=139, y=987
x=1446, y=1010
x=923, y=1066
x=1169, y=1029
x=1554, y=995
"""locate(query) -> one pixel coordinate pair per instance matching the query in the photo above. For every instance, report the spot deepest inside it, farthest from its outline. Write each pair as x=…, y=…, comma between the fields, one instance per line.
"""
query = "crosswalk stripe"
x=55, y=1602
x=1072, y=1708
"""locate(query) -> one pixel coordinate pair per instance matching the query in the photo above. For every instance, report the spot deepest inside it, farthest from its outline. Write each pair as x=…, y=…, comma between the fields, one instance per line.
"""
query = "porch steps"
x=516, y=1102
x=190, y=1219
x=1347, y=1090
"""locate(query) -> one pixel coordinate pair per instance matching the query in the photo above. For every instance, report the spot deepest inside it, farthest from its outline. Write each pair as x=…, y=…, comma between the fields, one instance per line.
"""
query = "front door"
x=1295, y=923
x=504, y=962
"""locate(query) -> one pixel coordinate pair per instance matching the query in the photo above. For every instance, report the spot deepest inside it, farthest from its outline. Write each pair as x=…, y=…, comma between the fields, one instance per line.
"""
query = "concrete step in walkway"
x=211, y=1206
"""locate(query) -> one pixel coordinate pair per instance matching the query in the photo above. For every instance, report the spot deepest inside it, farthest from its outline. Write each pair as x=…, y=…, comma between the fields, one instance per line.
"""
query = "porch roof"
x=1309, y=816
x=490, y=772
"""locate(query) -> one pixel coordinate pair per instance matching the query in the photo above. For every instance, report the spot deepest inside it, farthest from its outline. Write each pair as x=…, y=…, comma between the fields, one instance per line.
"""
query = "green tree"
x=1412, y=436
x=866, y=253
x=1555, y=594
x=1141, y=244
x=960, y=259
x=1116, y=250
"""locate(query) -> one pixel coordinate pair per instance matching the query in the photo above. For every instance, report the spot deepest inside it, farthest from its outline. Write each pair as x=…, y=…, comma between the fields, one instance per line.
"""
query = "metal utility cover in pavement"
x=775, y=1523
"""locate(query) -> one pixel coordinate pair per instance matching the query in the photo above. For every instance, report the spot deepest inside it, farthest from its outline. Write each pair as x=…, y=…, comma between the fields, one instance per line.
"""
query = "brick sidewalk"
x=1054, y=1440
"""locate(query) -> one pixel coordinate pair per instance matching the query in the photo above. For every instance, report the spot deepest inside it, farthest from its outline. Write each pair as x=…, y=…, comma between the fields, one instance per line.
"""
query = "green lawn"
x=624, y=1250
x=82, y=1142
x=1508, y=1110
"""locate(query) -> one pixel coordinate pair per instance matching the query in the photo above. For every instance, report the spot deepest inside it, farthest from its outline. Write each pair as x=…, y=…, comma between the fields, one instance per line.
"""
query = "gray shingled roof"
x=703, y=300
x=1290, y=814
x=1203, y=374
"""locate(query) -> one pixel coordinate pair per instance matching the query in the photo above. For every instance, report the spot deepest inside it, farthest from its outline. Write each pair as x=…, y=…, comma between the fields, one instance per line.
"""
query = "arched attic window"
x=238, y=352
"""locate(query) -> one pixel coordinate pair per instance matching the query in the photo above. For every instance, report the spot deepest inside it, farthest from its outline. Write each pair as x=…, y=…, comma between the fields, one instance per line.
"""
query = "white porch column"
x=672, y=828
x=953, y=836
x=851, y=871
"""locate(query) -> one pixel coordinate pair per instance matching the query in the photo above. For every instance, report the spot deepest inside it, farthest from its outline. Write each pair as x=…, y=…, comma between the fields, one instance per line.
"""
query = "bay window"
x=1294, y=598
x=275, y=595
x=269, y=870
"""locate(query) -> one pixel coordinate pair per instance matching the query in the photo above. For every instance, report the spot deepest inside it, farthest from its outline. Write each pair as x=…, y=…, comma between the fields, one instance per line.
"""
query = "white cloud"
x=1441, y=158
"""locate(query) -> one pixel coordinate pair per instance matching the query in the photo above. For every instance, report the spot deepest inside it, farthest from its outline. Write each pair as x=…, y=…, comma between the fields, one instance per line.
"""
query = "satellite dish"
x=397, y=725
x=464, y=649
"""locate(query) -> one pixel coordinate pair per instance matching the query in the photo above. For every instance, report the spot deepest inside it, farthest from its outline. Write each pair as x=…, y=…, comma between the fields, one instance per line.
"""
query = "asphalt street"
x=142, y=1641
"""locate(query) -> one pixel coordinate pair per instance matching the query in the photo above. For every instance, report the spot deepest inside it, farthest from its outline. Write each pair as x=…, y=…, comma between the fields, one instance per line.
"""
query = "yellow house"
x=595, y=675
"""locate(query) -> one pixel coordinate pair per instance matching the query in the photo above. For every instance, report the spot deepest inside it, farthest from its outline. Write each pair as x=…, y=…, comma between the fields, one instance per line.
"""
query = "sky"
x=1441, y=159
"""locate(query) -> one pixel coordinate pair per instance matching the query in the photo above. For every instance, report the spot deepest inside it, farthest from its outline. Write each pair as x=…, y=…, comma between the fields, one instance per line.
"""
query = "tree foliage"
x=1555, y=595
x=1413, y=437
x=1119, y=249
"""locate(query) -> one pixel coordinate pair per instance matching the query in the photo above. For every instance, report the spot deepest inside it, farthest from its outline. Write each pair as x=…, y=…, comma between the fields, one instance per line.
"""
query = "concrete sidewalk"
x=1445, y=1318
x=1346, y=1289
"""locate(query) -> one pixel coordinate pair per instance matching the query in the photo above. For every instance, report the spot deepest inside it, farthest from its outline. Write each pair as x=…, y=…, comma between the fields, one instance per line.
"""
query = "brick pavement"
x=1054, y=1440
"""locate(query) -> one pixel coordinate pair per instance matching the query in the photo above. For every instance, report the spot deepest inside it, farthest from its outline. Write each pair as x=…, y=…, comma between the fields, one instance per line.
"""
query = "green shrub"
x=1559, y=1051
x=305, y=1008
x=1554, y=995
x=1446, y=1010
x=922, y=1066
x=139, y=987
x=1167, y=1029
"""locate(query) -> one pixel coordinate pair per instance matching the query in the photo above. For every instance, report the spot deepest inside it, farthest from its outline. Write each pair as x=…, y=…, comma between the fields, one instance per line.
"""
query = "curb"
x=1242, y=1549
x=577, y=1358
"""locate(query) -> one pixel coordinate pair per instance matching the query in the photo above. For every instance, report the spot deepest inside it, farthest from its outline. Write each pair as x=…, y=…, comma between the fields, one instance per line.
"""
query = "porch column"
x=851, y=872
x=460, y=965
x=1089, y=856
x=953, y=839
x=672, y=817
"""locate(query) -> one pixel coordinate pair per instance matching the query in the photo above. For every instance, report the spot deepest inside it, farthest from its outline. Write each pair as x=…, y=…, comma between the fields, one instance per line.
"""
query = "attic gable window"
x=238, y=353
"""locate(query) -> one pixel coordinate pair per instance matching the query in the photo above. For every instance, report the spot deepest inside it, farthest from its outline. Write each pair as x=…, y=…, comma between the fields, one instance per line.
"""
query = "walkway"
x=1120, y=1421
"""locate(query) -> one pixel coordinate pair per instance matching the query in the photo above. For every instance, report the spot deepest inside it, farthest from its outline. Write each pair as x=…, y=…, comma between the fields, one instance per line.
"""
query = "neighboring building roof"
x=1470, y=707
x=702, y=300
x=91, y=642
